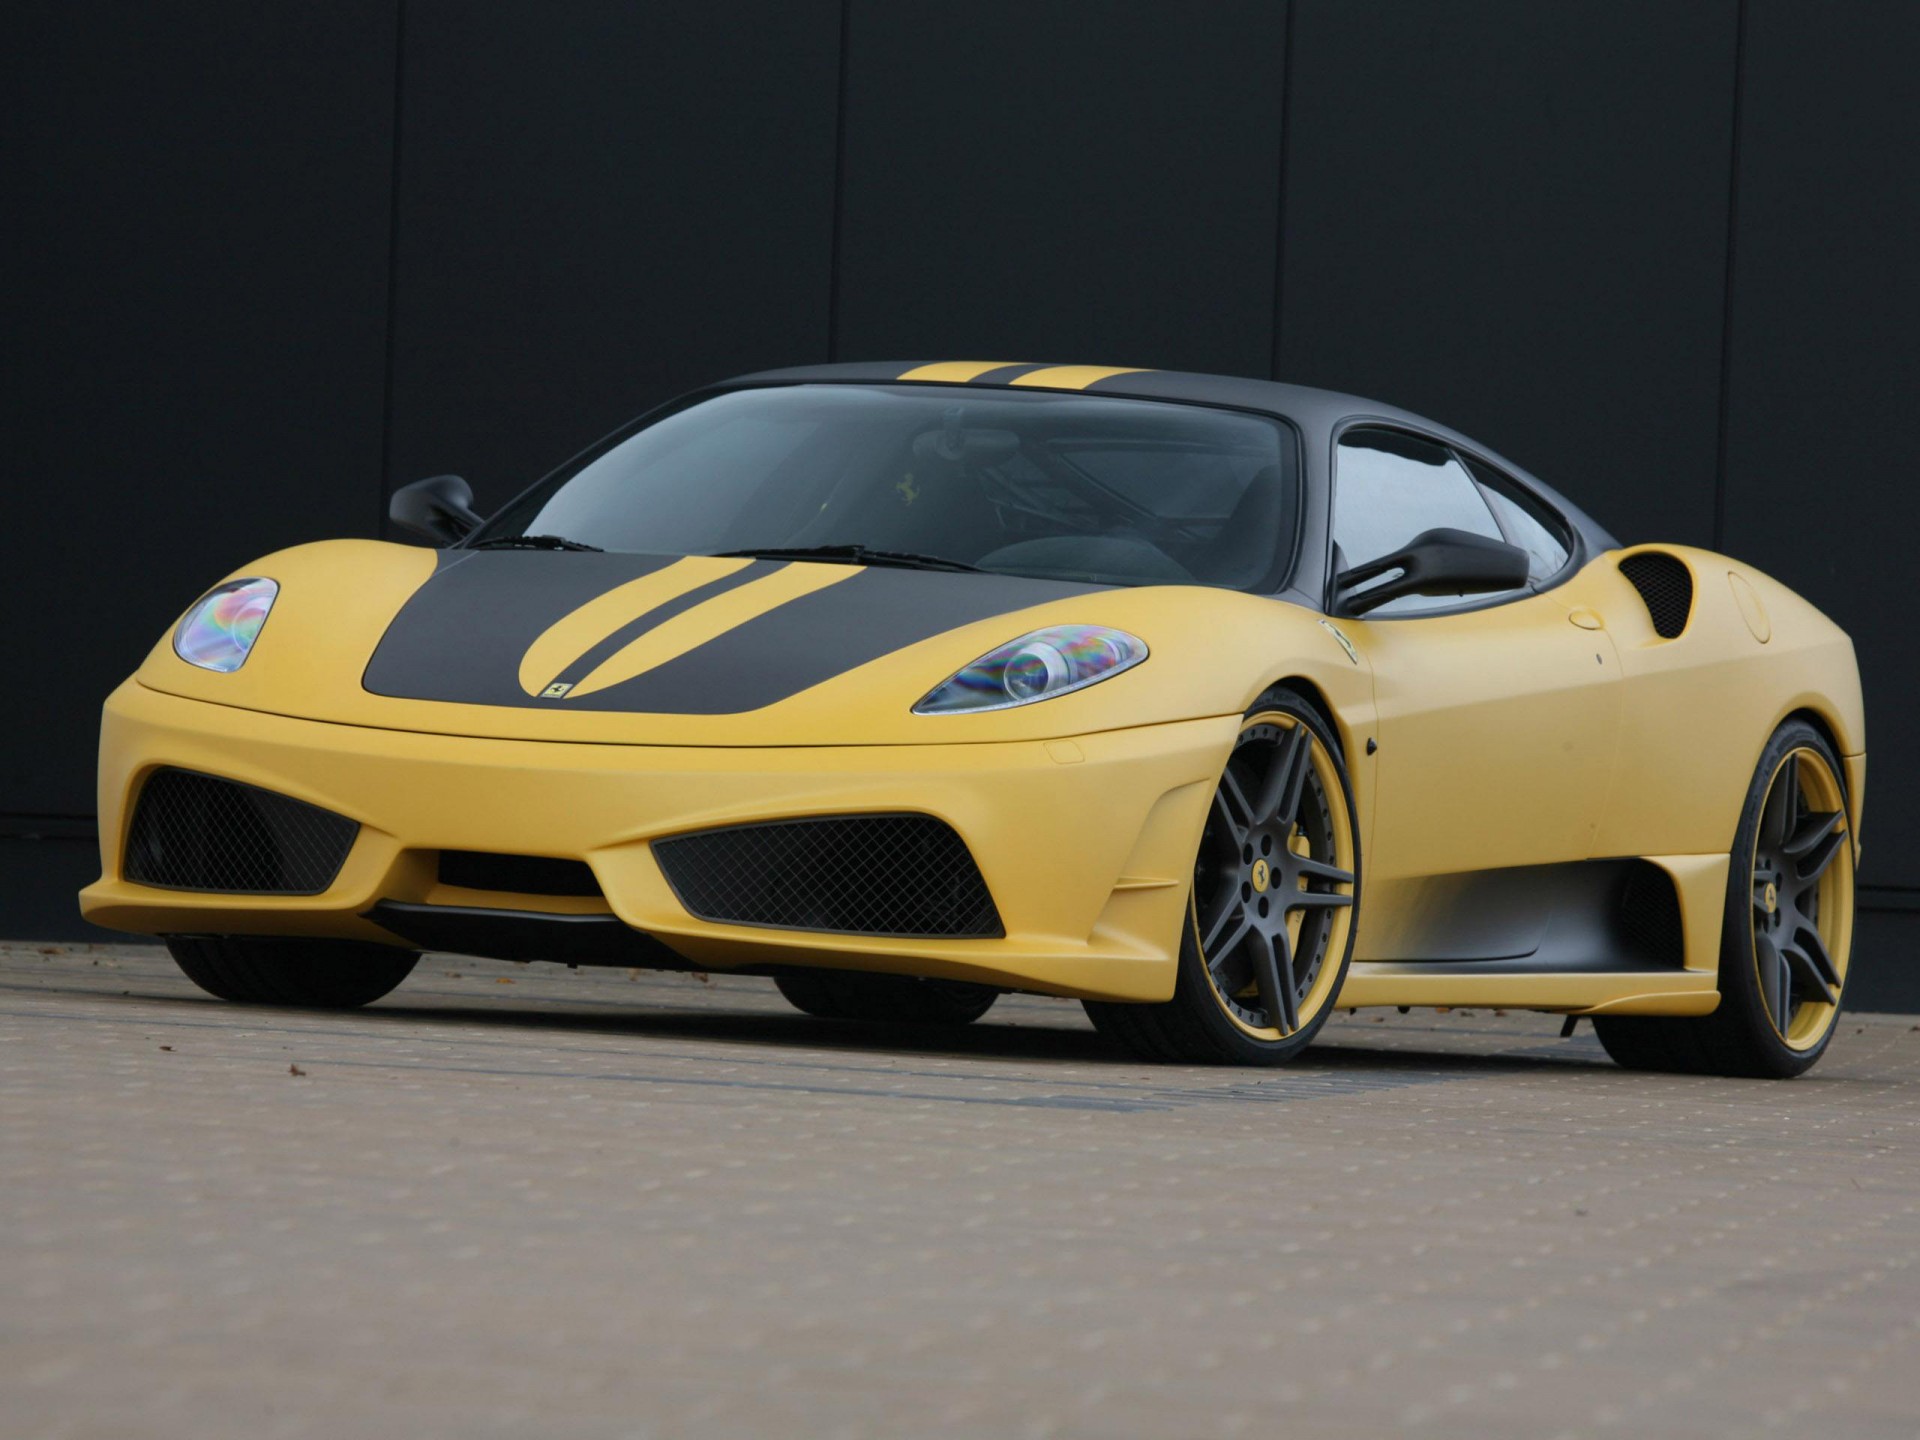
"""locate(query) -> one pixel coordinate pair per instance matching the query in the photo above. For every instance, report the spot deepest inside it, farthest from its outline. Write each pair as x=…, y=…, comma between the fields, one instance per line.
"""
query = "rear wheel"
x=1270, y=917
x=314, y=974
x=900, y=999
x=1787, y=933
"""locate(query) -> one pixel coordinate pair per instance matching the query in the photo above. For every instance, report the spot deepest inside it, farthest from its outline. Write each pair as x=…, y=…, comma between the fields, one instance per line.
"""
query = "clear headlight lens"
x=1050, y=662
x=219, y=631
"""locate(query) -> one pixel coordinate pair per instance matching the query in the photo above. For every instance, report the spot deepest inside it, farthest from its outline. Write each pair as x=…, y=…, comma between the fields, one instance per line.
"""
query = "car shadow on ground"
x=1030, y=1040
x=1027, y=1042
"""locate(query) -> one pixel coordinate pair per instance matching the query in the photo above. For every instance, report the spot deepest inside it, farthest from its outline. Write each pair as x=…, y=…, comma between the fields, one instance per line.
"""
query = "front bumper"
x=1086, y=844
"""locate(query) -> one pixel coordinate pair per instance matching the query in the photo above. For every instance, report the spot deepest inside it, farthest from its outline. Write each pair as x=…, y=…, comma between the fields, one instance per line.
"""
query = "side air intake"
x=199, y=832
x=1666, y=585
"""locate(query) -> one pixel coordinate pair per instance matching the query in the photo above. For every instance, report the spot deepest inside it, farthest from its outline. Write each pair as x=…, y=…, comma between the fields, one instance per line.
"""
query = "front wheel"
x=312, y=974
x=1787, y=933
x=1270, y=918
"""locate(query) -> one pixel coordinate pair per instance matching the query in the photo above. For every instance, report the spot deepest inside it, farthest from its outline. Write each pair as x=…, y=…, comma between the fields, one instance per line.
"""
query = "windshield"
x=1077, y=487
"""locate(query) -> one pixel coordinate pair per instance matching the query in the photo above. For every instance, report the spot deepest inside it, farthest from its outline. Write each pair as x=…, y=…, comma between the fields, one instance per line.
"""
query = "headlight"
x=1039, y=666
x=219, y=631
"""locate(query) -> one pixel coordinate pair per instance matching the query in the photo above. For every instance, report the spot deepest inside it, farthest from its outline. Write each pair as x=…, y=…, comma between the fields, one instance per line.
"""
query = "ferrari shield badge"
x=1345, y=644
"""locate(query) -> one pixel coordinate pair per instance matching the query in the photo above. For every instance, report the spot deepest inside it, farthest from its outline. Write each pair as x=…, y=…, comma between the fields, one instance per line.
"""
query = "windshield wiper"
x=851, y=555
x=532, y=542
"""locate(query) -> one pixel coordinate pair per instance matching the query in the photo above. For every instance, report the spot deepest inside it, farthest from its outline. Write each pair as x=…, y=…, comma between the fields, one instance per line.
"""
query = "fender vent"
x=1666, y=585
x=199, y=832
x=858, y=875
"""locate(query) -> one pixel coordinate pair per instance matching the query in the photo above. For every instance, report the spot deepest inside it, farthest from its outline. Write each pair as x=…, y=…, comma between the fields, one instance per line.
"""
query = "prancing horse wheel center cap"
x=1771, y=896
x=1261, y=875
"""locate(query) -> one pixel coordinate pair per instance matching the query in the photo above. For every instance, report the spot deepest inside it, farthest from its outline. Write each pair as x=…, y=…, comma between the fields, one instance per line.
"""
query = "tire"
x=310, y=974
x=1787, y=933
x=886, y=999
x=1276, y=878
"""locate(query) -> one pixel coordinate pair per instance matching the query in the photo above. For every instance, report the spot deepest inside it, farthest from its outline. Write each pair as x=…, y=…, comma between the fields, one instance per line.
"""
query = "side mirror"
x=1434, y=562
x=439, y=509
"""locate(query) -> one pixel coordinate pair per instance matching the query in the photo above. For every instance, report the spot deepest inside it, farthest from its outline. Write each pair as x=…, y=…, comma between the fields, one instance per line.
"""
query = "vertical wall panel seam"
x=1280, y=198
x=1724, y=435
x=839, y=187
x=393, y=265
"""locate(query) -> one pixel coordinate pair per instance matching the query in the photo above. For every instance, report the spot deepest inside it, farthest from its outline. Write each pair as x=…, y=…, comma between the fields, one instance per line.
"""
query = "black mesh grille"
x=862, y=875
x=524, y=874
x=196, y=832
x=1649, y=916
x=1666, y=585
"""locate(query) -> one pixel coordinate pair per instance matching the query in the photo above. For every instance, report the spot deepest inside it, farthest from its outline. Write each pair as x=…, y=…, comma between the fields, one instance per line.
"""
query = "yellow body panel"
x=1703, y=705
x=1557, y=728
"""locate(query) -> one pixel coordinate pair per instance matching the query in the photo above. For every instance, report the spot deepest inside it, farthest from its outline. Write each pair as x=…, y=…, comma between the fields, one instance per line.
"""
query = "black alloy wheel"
x=1271, y=918
x=1786, y=932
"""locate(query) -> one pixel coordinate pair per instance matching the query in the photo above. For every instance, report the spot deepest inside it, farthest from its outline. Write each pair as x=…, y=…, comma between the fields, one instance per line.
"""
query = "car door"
x=1498, y=714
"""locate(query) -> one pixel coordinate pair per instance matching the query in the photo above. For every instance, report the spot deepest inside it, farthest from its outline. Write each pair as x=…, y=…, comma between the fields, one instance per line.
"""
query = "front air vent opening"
x=1666, y=585
x=199, y=832
x=901, y=875
x=517, y=874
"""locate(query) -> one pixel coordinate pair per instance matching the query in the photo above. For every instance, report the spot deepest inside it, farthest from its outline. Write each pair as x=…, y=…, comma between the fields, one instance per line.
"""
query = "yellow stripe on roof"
x=956, y=372
x=1073, y=377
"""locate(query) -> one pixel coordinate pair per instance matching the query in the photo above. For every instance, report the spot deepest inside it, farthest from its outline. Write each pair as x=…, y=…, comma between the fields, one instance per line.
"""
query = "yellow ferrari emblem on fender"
x=1261, y=876
x=1345, y=644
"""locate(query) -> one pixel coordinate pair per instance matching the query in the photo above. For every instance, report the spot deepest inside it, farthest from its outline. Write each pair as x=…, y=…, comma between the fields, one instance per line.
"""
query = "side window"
x=1388, y=488
x=1535, y=531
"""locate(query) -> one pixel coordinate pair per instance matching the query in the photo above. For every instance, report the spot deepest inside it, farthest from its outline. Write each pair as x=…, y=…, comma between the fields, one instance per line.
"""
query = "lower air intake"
x=855, y=875
x=521, y=874
x=198, y=832
x=1666, y=585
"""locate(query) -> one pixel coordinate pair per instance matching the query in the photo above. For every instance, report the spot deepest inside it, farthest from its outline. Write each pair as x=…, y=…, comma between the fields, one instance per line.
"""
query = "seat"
x=1242, y=554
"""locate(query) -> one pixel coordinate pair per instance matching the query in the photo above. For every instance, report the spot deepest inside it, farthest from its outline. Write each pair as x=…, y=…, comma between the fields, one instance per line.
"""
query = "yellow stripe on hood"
x=709, y=621
x=571, y=636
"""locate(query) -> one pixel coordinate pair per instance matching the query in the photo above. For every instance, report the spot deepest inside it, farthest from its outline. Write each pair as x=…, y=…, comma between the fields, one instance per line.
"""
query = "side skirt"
x=1594, y=937
x=1659, y=992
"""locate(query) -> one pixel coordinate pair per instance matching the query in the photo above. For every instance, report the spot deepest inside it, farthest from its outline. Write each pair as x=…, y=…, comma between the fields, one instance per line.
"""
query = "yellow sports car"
x=1212, y=703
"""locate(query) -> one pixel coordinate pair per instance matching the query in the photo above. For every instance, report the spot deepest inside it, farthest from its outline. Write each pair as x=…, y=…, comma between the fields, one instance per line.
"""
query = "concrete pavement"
x=523, y=1201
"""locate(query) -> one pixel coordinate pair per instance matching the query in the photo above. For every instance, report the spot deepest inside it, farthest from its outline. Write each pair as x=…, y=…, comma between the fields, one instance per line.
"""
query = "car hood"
x=699, y=650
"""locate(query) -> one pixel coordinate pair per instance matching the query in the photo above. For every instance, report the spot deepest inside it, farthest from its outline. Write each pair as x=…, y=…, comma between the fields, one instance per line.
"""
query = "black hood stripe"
x=462, y=635
x=819, y=636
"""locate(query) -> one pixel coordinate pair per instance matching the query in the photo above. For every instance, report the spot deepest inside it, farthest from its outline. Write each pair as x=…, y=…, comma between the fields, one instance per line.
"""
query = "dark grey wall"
x=266, y=263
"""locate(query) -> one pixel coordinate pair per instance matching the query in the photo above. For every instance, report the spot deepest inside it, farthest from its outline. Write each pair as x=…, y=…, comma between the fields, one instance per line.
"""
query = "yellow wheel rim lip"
x=1320, y=993
x=1810, y=1021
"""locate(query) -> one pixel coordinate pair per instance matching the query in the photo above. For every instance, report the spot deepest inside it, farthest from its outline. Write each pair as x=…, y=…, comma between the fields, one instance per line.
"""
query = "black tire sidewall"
x=1742, y=1015
x=885, y=999
x=294, y=972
